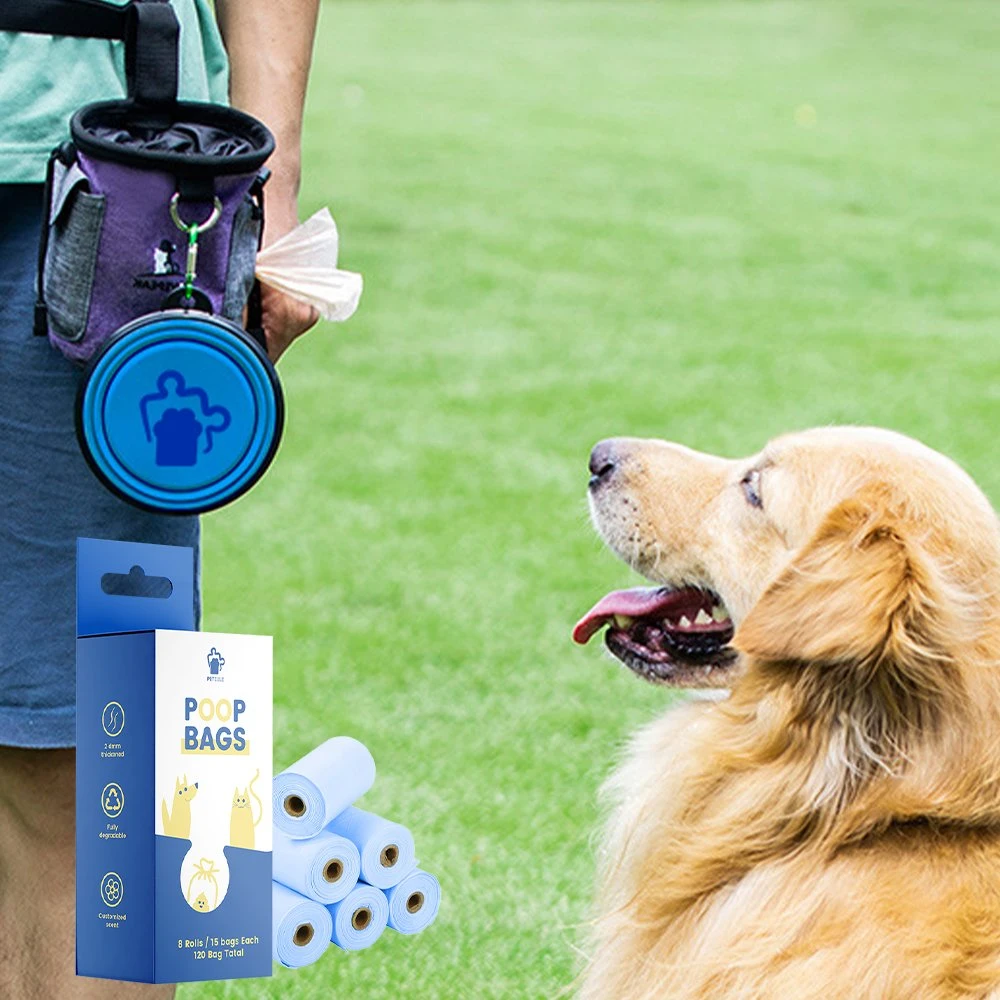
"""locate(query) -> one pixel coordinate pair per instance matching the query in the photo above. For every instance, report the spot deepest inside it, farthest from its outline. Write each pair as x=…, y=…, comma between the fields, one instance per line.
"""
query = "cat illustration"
x=241, y=821
x=177, y=821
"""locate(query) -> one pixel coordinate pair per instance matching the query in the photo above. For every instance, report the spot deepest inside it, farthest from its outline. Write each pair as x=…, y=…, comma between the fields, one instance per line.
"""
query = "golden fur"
x=832, y=829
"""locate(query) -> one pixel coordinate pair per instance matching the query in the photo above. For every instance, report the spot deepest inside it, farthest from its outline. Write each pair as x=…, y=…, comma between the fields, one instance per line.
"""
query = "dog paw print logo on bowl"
x=178, y=418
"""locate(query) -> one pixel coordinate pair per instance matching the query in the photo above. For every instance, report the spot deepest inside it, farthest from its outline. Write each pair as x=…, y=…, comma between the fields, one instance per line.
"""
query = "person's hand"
x=283, y=318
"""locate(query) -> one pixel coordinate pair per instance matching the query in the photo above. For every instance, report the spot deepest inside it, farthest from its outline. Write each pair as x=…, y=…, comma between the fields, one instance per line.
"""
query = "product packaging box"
x=173, y=777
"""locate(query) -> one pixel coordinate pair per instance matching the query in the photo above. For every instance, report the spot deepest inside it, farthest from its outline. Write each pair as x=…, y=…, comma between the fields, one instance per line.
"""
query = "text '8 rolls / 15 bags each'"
x=146, y=270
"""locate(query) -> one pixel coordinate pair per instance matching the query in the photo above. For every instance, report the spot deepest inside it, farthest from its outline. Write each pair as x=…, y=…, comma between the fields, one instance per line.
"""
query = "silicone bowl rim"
x=224, y=326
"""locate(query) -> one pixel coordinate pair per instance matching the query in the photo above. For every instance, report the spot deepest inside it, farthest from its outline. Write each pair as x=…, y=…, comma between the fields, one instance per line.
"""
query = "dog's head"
x=835, y=545
x=185, y=791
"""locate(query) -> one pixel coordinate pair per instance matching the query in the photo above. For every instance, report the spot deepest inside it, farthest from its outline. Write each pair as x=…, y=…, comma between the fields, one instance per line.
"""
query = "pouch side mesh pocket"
x=70, y=264
x=242, y=260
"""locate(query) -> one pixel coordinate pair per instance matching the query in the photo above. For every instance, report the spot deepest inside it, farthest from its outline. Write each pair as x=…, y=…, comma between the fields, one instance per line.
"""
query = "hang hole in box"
x=135, y=583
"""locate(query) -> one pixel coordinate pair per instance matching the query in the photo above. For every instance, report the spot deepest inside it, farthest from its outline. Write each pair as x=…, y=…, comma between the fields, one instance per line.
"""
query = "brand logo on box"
x=216, y=661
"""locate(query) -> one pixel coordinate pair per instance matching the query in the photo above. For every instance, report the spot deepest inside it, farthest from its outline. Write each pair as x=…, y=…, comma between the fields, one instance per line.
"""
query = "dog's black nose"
x=602, y=462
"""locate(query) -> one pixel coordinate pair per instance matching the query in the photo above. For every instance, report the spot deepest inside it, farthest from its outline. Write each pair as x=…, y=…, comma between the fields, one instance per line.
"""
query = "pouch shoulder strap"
x=149, y=29
x=152, y=36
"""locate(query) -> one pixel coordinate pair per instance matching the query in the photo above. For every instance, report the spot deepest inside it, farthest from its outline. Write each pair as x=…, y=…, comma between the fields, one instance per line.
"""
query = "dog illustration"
x=177, y=821
x=830, y=828
x=241, y=821
x=163, y=258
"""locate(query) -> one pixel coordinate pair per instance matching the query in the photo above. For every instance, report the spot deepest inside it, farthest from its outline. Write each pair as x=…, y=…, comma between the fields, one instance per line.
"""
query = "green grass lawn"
x=708, y=221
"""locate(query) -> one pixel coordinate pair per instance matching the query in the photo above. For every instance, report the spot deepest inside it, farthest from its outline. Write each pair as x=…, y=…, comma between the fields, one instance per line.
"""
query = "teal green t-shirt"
x=44, y=80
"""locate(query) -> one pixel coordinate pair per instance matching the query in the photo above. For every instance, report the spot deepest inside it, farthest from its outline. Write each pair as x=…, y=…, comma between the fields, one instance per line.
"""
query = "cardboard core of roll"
x=303, y=935
x=361, y=918
x=295, y=805
x=390, y=855
x=414, y=901
x=334, y=870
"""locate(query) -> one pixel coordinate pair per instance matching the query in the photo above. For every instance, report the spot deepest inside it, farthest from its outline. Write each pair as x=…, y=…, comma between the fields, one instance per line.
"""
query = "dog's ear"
x=177, y=784
x=862, y=591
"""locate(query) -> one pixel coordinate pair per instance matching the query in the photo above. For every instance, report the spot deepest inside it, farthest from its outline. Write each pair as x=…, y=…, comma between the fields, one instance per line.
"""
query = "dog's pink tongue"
x=636, y=603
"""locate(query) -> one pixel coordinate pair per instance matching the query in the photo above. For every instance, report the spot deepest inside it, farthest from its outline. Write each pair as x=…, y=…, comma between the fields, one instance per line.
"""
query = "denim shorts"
x=48, y=497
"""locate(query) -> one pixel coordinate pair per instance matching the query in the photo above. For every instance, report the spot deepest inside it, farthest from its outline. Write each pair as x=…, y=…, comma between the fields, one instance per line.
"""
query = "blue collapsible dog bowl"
x=180, y=412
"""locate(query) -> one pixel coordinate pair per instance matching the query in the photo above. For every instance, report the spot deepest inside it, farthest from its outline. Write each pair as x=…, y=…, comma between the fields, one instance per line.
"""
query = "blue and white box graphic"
x=173, y=782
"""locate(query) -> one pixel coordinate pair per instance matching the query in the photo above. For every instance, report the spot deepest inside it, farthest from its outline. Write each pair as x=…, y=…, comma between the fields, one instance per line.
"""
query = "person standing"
x=254, y=54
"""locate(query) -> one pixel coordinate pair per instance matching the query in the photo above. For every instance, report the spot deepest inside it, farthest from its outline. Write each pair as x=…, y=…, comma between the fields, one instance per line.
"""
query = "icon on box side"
x=112, y=800
x=112, y=889
x=113, y=718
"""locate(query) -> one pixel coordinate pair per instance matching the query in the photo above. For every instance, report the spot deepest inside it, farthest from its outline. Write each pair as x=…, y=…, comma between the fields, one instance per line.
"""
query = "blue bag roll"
x=359, y=918
x=307, y=795
x=387, y=851
x=324, y=868
x=300, y=928
x=413, y=903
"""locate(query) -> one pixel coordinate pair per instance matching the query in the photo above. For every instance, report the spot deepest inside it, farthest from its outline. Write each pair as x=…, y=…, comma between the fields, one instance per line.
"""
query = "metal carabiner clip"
x=202, y=227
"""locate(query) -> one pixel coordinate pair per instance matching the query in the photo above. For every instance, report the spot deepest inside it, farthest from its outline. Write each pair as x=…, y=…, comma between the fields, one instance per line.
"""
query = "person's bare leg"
x=37, y=869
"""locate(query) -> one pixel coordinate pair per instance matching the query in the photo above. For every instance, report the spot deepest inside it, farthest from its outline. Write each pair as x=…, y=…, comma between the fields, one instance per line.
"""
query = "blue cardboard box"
x=174, y=733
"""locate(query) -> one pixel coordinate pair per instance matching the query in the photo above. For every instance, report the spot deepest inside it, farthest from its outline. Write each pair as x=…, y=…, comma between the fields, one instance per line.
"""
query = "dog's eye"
x=751, y=488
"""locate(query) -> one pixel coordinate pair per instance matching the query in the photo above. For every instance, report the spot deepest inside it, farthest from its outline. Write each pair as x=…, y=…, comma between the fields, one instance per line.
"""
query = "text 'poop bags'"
x=303, y=264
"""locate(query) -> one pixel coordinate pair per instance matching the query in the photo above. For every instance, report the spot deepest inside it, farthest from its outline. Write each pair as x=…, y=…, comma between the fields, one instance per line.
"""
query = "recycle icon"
x=112, y=800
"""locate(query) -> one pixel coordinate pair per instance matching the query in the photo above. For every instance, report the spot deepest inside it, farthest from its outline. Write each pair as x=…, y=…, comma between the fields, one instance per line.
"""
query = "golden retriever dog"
x=832, y=828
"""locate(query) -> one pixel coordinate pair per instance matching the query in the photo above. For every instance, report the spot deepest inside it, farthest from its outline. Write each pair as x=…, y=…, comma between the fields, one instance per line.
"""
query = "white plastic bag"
x=303, y=264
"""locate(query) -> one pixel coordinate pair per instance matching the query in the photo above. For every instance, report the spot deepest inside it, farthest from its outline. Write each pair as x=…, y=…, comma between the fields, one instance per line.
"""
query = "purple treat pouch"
x=113, y=249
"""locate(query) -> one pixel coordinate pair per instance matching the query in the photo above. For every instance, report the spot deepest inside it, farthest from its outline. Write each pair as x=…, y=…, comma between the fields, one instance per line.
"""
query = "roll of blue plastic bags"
x=413, y=902
x=324, y=868
x=359, y=918
x=301, y=928
x=386, y=848
x=307, y=795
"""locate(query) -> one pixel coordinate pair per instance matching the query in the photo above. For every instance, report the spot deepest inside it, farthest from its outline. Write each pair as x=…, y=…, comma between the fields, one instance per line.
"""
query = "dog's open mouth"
x=671, y=635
